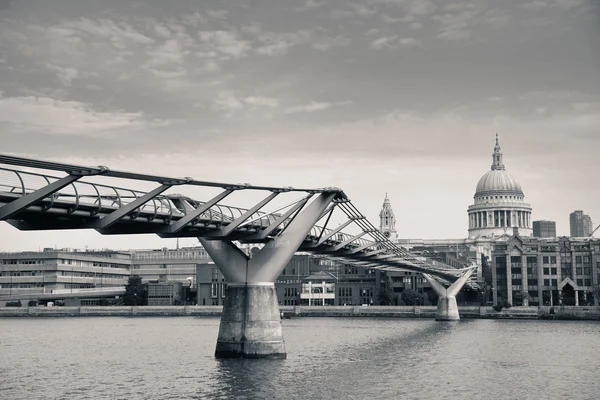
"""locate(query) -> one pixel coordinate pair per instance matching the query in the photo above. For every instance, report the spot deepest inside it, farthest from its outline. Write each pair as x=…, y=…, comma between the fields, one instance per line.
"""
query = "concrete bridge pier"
x=447, y=309
x=251, y=323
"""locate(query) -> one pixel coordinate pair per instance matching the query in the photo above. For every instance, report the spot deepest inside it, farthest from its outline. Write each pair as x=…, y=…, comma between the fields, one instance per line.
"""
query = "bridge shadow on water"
x=337, y=358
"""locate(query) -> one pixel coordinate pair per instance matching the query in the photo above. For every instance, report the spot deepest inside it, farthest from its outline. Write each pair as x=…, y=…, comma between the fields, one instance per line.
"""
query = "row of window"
x=214, y=290
x=161, y=255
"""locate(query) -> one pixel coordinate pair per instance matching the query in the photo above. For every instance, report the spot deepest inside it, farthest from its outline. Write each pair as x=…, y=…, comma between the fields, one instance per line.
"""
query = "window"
x=213, y=290
x=546, y=271
x=553, y=260
x=546, y=260
x=579, y=271
x=578, y=259
x=580, y=282
x=587, y=282
x=223, y=287
x=586, y=260
x=546, y=282
x=586, y=270
x=215, y=274
x=553, y=271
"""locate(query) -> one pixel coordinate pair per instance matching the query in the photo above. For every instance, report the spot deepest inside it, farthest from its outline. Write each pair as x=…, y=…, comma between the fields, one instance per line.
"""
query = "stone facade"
x=548, y=272
x=499, y=203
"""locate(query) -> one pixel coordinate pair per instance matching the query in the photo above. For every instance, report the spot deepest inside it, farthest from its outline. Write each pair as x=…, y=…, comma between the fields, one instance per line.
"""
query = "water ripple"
x=172, y=358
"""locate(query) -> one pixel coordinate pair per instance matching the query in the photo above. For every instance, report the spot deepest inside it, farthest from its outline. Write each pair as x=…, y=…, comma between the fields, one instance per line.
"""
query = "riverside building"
x=55, y=272
x=545, y=271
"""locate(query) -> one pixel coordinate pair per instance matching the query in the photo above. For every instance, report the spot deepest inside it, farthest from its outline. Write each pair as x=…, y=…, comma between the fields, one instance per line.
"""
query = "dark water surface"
x=328, y=358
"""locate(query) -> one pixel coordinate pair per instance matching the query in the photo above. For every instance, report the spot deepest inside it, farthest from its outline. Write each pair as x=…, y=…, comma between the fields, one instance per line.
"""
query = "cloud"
x=312, y=4
x=383, y=42
x=260, y=101
x=170, y=52
x=64, y=74
x=225, y=42
x=535, y=5
x=455, y=25
x=362, y=9
x=278, y=43
x=394, y=42
x=119, y=33
x=313, y=106
x=162, y=31
x=326, y=43
x=63, y=117
x=409, y=42
x=217, y=14
x=228, y=102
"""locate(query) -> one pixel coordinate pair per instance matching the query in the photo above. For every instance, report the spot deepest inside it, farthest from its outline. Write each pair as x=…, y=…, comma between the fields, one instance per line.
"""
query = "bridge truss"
x=46, y=195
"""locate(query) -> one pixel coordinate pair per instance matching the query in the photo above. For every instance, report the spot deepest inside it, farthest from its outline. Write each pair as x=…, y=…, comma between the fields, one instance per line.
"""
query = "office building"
x=63, y=271
x=545, y=271
x=544, y=229
x=580, y=224
x=165, y=294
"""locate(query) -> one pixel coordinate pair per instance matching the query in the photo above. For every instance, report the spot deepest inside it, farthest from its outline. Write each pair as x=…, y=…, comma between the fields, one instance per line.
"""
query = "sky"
x=402, y=97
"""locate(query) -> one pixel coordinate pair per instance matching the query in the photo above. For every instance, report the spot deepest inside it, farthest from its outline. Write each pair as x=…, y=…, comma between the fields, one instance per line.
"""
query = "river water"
x=328, y=358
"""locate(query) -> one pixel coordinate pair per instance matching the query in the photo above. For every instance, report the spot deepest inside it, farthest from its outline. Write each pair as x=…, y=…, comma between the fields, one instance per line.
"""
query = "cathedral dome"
x=498, y=181
x=499, y=203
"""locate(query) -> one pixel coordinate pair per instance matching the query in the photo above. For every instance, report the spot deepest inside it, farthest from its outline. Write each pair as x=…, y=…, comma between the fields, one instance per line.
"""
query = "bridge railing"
x=165, y=208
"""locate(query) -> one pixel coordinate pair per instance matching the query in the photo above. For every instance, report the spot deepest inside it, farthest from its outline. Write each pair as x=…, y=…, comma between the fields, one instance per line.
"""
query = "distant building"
x=499, y=203
x=36, y=274
x=168, y=265
x=580, y=224
x=300, y=281
x=544, y=229
x=165, y=294
x=545, y=271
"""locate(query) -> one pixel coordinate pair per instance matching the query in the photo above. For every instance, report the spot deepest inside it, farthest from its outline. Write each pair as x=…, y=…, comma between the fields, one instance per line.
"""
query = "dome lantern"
x=499, y=203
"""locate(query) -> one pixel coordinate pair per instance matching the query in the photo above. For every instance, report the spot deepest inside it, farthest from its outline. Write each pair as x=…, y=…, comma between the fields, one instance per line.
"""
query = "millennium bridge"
x=46, y=195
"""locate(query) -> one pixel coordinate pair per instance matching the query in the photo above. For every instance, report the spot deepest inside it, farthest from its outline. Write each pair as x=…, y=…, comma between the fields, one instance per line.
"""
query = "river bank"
x=466, y=312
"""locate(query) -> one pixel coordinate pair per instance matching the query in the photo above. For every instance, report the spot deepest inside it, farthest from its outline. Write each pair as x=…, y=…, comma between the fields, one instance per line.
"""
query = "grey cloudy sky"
x=396, y=96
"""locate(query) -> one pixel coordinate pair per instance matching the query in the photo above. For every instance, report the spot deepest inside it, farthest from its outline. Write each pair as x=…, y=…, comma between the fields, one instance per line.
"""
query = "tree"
x=386, y=293
x=136, y=293
x=411, y=298
x=518, y=298
x=433, y=297
x=596, y=293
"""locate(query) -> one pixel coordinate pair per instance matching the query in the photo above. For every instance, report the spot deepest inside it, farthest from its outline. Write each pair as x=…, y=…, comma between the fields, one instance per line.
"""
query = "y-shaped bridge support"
x=251, y=323
x=447, y=309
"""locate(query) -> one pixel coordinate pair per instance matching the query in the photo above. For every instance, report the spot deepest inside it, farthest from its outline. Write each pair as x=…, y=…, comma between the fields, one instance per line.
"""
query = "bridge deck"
x=79, y=204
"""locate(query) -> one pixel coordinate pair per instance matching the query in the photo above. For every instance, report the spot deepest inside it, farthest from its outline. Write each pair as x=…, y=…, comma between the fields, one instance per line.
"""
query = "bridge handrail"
x=224, y=215
x=69, y=168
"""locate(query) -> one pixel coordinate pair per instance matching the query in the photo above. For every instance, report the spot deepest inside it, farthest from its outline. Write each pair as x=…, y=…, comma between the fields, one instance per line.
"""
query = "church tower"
x=387, y=220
